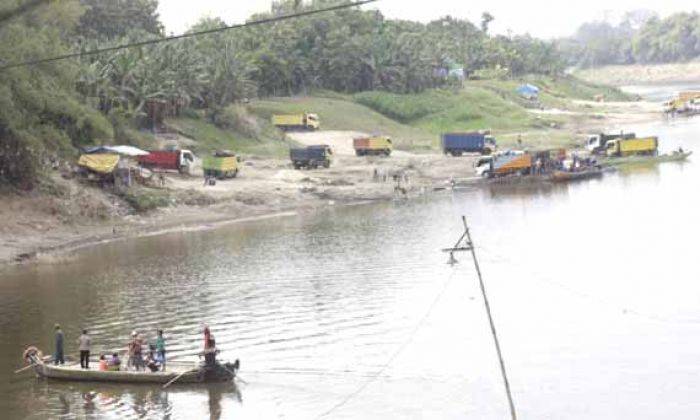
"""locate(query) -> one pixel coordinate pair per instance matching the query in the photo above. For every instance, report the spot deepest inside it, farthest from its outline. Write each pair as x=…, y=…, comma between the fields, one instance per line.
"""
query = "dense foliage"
x=641, y=37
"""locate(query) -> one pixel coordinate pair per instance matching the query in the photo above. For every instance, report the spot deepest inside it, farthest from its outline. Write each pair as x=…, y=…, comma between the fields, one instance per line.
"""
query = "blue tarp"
x=527, y=90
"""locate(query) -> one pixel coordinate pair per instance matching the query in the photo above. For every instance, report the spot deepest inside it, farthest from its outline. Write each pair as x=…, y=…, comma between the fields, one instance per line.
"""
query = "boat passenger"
x=135, y=353
x=84, y=347
x=58, y=354
x=114, y=363
x=151, y=363
x=207, y=335
x=160, y=349
x=210, y=352
x=103, y=363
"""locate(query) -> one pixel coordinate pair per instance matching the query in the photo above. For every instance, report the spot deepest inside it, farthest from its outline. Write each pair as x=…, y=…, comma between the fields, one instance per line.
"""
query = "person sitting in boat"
x=151, y=363
x=114, y=363
x=103, y=363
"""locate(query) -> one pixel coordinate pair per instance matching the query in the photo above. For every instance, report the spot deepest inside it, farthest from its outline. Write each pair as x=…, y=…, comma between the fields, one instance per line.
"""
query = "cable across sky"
x=187, y=35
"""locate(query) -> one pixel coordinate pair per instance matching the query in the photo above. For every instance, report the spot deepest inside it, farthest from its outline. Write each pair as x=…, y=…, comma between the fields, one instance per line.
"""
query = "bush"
x=237, y=118
x=143, y=200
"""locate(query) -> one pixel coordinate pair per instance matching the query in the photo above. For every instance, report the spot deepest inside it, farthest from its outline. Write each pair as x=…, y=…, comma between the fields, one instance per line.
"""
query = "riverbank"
x=48, y=227
x=640, y=74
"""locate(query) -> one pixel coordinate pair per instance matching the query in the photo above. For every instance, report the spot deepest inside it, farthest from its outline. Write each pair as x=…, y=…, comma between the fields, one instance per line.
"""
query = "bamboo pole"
x=491, y=322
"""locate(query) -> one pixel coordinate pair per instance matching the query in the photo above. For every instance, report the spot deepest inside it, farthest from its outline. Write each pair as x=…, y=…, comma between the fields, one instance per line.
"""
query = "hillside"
x=415, y=121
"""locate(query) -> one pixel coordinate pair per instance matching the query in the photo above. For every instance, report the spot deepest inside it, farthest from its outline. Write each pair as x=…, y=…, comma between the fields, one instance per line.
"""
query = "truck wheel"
x=456, y=153
x=326, y=164
x=358, y=152
x=235, y=173
x=387, y=152
x=486, y=151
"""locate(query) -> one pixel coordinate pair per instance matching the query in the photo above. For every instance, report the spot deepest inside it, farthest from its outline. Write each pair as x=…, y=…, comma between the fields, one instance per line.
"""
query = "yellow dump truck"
x=630, y=147
x=304, y=121
x=374, y=145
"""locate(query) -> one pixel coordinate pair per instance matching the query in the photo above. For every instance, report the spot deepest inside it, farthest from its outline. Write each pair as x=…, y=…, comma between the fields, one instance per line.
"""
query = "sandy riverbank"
x=43, y=228
x=640, y=74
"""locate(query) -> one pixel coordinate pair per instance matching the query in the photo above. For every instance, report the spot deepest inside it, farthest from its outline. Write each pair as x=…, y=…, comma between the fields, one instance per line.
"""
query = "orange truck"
x=509, y=163
x=374, y=145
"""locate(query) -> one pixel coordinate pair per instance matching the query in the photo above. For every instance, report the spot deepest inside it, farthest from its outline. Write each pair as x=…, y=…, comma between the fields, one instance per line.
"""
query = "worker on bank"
x=58, y=353
x=84, y=347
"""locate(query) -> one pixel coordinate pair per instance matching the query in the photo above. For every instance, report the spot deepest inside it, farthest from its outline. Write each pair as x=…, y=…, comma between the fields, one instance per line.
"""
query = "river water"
x=353, y=313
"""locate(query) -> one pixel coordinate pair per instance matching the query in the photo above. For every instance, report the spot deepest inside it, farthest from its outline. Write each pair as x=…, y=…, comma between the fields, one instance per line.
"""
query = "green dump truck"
x=223, y=164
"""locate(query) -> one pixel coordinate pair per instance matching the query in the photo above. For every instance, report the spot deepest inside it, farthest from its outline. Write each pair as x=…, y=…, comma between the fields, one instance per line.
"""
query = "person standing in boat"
x=160, y=349
x=84, y=347
x=58, y=354
x=135, y=352
x=207, y=336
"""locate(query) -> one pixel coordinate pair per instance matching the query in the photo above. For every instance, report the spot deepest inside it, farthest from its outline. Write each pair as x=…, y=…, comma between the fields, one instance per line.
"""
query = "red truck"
x=176, y=160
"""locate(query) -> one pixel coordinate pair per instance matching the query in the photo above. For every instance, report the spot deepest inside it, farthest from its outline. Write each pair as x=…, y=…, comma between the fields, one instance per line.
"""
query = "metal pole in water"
x=469, y=246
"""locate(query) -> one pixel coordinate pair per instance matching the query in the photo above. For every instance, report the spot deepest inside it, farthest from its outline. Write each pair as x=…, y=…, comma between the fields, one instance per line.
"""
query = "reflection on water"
x=593, y=285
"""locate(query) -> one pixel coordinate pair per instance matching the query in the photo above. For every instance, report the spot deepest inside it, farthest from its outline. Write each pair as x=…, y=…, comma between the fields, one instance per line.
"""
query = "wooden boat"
x=564, y=176
x=674, y=156
x=176, y=372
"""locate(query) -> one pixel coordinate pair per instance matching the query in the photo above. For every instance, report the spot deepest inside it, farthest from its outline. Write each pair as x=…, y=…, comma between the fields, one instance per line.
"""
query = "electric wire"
x=619, y=306
x=396, y=353
x=187, y=35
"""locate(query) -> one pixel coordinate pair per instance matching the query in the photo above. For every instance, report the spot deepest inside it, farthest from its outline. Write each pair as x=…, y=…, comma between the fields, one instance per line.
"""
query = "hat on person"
x=133, y=333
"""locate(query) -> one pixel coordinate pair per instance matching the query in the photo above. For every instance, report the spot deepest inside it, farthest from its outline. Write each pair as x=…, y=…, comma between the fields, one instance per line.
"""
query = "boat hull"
x=189, y=375
x=563, y=176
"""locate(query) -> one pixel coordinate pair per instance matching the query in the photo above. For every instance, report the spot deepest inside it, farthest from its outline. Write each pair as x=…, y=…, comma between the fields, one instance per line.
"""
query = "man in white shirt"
x=84, y=347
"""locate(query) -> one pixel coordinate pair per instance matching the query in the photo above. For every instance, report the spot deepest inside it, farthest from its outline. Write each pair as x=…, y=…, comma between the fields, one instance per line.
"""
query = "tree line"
x=640, y=37
x=75, y=102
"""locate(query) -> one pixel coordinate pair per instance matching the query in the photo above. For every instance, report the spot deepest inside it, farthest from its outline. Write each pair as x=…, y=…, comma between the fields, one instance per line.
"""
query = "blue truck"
x=311, y=157
x=456, y=144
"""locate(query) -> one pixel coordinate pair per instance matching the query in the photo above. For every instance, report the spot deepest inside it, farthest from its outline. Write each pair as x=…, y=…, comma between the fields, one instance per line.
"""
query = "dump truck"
x=685, y=103
x=597, y=143
x=311, y=156
x=373, y=145
x=508, y=163
x=303, y=121
x=456, y=144
x=223, y=164
x=176, y=160
x=635, y=146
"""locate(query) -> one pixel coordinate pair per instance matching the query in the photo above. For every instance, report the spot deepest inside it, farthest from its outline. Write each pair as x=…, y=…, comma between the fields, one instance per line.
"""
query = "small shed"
x=528, y=91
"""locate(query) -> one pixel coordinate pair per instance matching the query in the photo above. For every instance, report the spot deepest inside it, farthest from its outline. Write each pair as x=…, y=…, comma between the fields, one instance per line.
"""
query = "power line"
x=187, y=35
x=396, y=354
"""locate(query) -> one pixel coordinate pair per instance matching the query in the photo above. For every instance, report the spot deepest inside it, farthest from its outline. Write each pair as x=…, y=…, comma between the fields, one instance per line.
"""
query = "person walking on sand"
x=84, y=347
x=160, y=348
x=58, y=353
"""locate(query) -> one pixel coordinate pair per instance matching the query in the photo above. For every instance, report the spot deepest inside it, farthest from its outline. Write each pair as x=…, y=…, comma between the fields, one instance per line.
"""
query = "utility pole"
x=464, y=243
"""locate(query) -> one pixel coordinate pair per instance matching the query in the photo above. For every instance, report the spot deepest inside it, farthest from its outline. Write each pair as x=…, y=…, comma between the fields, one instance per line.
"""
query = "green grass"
x=209, y=138
x=415, y=121
x=341, y=113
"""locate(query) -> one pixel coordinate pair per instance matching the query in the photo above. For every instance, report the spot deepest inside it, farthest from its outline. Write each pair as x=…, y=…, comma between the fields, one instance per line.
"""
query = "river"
x=353, y=313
